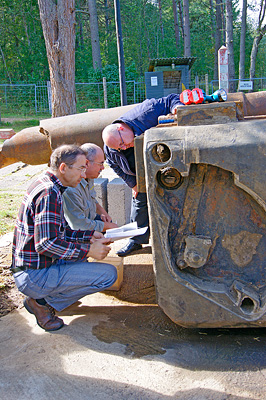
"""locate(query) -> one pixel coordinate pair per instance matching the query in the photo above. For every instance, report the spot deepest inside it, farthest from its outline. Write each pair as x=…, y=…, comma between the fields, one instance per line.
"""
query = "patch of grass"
x=18, y=123
x=9, y=206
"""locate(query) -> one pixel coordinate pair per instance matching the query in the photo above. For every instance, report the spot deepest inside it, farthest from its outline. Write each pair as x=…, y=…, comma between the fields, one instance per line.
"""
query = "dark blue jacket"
x=140, y=118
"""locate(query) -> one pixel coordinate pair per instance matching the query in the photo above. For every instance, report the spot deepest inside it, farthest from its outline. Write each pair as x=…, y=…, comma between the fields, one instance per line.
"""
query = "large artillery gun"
x=206, y=188
x=34, y=145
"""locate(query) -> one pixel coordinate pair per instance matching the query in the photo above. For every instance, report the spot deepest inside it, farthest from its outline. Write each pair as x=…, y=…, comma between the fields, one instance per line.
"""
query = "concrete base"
x=100, y=186
x=119, y=197
x=113, y=349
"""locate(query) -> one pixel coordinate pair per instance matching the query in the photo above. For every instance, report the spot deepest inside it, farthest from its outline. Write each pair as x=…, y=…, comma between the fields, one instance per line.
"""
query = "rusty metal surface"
x=81, y=128
x=254, y=103
x=205, y=114
x=209, y=232
x=140, y=170
x=28, y=145
x=34, y=145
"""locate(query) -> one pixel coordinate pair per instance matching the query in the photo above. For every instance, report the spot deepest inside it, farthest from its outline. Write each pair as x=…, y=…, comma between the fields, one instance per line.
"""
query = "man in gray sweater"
x=81, y=208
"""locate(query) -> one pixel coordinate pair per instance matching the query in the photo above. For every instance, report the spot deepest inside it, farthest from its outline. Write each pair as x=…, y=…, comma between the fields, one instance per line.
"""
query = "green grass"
x=18, y=123
x=9, y=206
x=10, y=203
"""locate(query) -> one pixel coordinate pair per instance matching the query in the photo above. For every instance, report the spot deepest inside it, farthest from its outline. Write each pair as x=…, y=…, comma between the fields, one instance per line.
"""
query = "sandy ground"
x=120, y=345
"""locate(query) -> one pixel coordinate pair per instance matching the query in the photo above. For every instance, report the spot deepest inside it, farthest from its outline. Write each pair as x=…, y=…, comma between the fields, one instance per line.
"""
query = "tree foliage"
x=149, y=31
x=23, y=54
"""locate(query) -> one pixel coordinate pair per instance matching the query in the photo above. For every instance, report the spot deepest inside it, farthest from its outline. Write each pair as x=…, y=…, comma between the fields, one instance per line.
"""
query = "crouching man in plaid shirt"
x=49, y=260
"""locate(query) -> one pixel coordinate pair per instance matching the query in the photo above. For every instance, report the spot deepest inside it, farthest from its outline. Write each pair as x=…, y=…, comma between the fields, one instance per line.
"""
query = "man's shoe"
x=128, y=249
x=45, y=316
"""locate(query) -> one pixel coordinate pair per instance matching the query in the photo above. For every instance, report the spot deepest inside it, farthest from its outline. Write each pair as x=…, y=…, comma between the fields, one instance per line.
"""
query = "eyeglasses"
x=99, y=163
x=122, y=141
x=81, y=169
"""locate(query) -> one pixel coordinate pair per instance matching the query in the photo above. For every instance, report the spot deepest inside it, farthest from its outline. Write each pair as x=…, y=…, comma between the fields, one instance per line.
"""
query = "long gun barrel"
x=34, y=145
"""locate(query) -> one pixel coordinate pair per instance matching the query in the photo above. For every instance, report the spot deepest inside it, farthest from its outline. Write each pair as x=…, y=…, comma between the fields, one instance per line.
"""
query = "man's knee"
x=111, y=271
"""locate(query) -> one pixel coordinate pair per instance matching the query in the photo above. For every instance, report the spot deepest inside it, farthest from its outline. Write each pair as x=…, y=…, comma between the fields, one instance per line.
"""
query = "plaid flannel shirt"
x=41, y=233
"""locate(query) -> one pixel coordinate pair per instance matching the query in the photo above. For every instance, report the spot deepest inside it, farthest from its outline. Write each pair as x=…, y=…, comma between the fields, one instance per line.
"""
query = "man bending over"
x=119, y=151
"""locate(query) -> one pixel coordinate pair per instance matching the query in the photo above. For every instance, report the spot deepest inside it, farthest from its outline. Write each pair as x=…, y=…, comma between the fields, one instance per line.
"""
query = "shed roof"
x=157, y=62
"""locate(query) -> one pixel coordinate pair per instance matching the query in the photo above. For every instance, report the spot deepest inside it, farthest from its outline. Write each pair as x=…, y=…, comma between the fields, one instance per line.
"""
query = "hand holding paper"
x=125, y=231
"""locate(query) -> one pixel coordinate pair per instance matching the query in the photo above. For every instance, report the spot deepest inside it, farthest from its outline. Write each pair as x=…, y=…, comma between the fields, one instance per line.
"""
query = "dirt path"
x=10, y=298
x=120, y=345
x=5, y=120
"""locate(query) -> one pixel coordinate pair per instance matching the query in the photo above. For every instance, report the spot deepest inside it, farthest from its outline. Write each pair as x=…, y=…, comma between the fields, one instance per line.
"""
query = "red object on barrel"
x=186, y=97
x=197, y=96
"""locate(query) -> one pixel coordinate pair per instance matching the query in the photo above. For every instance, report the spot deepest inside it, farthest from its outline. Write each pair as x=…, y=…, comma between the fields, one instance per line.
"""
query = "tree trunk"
x=95, y=40
x=254, y=51
x=120, y=53
x=161, y=24
x=107, y=29
x=223, y=22
x=181, y=19
x=58, y=23
x=218, y=36
x=4, y=62
x=212, y=18
x=79, y=23
x=230, y=44
x=242, y=42
x=146, y=31
x=187, y=46
x=176, y=25
x=260, y=32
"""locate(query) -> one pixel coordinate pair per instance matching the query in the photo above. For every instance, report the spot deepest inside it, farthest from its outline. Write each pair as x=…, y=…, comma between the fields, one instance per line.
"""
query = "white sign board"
x=154, y=81
x=245, y=85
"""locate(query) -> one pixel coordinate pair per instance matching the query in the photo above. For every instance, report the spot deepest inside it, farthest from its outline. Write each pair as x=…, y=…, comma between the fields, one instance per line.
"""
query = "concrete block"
x=100, y=185
x=119, y=197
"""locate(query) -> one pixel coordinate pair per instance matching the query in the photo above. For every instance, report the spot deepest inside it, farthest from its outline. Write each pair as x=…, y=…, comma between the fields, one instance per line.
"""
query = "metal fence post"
x=105, y=92
x=207, y=84
x=35, y=93
x=49, y=94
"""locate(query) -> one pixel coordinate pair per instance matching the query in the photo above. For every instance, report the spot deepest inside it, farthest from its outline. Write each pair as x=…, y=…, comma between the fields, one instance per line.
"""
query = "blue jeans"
x=65, y=282
x=139, y=213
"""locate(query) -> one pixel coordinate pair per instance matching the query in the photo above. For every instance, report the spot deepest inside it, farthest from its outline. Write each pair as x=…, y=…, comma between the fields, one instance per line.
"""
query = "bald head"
x=92, y=151
x=95, y=160
x=110, y=136
x=118, y=136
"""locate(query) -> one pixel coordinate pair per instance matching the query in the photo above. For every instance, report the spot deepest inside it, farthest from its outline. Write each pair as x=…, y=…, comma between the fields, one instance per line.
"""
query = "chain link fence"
x=259, y=84
x=28, y=99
